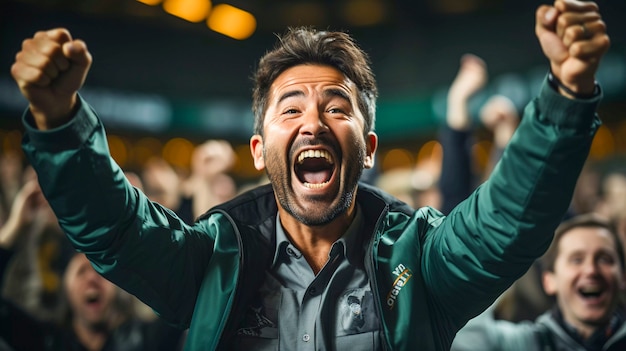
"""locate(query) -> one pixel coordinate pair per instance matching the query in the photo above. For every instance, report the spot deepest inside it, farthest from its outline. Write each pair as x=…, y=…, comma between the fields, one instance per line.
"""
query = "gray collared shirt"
x=297, y=310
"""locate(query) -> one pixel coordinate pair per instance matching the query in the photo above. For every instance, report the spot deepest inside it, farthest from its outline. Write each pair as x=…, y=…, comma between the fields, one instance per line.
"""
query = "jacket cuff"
x=579, y=114
x=67, y=136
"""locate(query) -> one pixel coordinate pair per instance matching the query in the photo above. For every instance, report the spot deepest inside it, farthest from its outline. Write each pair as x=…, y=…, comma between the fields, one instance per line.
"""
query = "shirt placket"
x=312, y=303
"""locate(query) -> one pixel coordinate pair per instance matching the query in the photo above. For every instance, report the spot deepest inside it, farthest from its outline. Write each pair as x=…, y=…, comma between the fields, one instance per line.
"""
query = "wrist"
x=457, y=98
x=50, y=119
x=586, y=92
x=458, y=118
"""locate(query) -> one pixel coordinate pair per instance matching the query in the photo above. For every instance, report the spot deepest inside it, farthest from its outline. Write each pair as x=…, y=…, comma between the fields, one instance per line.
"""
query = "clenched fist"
x=573, y=37
x=49, y=70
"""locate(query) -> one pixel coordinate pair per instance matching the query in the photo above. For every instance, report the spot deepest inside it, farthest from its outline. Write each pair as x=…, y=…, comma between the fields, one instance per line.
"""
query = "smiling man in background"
x=584, y=270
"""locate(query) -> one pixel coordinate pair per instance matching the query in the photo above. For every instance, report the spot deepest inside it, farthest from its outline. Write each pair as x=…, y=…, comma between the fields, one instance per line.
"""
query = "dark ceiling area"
x=414, y=46
x=141, y=47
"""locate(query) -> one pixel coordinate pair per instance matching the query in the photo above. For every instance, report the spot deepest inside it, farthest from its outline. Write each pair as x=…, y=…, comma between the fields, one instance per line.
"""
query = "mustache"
x=313, y=141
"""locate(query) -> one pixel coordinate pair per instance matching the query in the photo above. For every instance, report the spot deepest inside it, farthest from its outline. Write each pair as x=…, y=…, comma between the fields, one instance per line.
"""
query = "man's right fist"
x=49, y=70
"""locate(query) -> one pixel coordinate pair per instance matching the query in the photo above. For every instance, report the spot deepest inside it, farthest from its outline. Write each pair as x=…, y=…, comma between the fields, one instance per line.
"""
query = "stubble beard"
x=323, y=213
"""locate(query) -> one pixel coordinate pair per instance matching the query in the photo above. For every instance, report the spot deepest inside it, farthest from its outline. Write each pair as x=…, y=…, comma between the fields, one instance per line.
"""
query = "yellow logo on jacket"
x=403, y=274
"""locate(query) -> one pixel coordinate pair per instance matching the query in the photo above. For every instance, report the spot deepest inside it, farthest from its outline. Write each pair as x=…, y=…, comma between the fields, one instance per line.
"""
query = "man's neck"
x=315, y=242
x=591, y=336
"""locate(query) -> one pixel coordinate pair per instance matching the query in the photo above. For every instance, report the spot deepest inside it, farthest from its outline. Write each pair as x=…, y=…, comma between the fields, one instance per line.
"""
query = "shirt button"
x=306, y=337
x=312, y=291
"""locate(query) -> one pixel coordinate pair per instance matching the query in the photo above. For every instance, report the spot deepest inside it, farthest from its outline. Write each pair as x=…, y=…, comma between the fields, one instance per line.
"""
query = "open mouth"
x=314, y=168
x=92, y=298
x=590, y=292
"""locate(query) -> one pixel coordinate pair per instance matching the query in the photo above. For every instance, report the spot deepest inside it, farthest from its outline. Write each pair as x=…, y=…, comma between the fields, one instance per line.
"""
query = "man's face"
x=90, y=295
x=587, y=277
x=314, y=146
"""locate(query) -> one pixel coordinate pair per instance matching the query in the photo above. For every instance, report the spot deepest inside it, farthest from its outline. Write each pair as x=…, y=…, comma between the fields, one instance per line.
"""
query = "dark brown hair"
x=305, y=45
x=588, y=220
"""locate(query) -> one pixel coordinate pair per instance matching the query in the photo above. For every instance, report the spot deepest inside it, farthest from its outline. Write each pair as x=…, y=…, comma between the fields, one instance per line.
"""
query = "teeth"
x=315, y=186
x=316, y=154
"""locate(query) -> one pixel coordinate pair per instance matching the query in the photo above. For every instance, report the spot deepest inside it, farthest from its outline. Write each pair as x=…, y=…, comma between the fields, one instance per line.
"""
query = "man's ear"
x=371, y=143
x=549, y=283
x=256, y=148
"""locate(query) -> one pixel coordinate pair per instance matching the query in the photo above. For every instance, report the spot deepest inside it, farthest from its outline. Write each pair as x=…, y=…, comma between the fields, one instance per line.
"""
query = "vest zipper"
x=369, y=268
x=229, y=318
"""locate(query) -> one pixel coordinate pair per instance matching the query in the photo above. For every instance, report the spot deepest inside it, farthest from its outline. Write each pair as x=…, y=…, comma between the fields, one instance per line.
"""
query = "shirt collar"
x=598, y=338
x=351, y=242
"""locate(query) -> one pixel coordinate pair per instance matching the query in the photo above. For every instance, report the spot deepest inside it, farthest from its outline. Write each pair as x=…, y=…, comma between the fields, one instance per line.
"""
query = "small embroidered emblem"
x=403, y=274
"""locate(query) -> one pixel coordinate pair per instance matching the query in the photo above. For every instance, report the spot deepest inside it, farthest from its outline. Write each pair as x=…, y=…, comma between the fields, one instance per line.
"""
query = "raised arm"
x=456, y=180
x=492, y=238
x=138, y=244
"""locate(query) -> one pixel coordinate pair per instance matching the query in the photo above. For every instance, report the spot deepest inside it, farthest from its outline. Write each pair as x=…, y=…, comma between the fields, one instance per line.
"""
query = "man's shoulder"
x=251, y=207
x=370, y=196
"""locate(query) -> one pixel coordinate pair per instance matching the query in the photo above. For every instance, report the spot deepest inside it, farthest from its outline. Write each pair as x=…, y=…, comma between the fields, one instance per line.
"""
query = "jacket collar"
x=257, y=208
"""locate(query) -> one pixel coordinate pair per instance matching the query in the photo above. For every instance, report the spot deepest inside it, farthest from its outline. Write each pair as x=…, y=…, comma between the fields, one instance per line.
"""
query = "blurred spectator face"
x=587, y=276
x=91, y=297
x=213, y=157
x=499, y=109
x=223, y=188
x=161, y=183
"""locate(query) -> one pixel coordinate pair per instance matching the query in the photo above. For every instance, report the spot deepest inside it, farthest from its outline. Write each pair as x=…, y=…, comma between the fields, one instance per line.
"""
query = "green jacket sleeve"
x=137, y=244
x=490, y=239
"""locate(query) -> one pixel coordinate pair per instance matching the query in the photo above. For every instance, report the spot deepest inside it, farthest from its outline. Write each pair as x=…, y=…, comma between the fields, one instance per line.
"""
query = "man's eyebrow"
x=332, y=92
x=607, y=251
x=289, y=94
x=337, y=92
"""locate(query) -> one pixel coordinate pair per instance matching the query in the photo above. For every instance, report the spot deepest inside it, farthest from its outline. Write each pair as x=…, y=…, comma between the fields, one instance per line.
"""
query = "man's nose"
x=590, y=266
x=92, y=275
x=314, y=122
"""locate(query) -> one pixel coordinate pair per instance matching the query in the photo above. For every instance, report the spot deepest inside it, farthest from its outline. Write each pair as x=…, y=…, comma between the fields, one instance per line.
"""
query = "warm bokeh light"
x=244, y=164
x=232, y=22
x=178, y=152
x=397, y=158
x=150, y=2
x=428, y=165
x=481, y=152
x=12, y=141
x=603, y=144
x=189, y=10
x=430, y=151
x=132, y=152
x=118, y=149
x=144, y=149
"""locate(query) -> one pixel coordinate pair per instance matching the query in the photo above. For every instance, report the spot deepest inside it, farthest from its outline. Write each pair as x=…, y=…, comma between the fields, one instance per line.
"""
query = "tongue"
x=316, y=177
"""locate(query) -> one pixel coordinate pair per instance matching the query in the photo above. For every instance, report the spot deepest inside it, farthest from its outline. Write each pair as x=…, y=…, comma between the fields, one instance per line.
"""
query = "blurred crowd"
x=52, y=298
x=45, y=283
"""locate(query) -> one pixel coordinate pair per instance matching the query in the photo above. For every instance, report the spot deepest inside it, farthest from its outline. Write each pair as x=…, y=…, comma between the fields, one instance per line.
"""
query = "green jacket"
x=430, y=273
